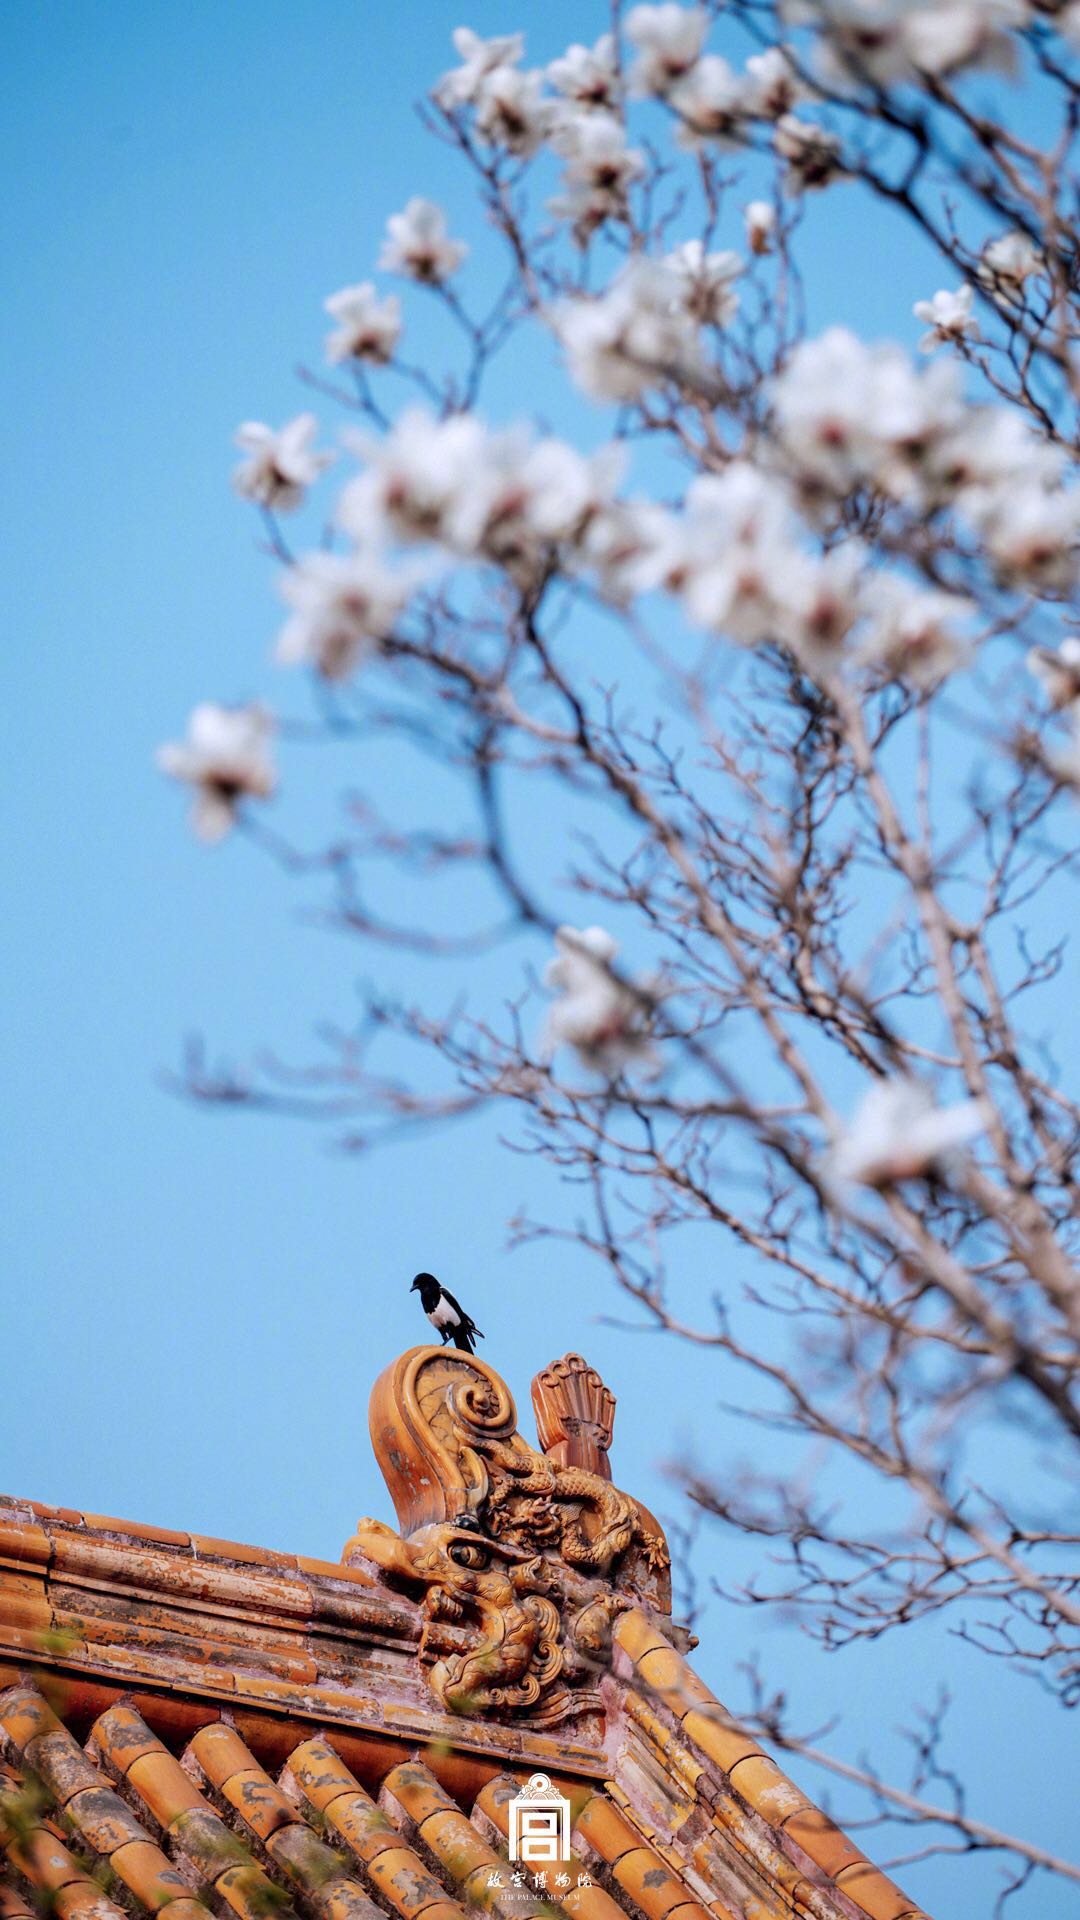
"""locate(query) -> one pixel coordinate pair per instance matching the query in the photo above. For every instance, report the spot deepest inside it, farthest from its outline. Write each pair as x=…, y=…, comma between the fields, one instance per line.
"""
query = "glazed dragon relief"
x=526, y=1558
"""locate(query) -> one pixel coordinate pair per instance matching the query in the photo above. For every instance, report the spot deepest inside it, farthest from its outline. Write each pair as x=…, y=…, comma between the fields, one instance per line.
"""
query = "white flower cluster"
x=811, y=154
x=706, y=281
x=1058, y=673
x=577, y=105
x=605, y=1021
x=899, y=1132
x=503, y=497
x=419, y=247
x=713, y=103
x=645, y=328
x=450, y=486
x=888, y=42
x=343, y=606
x=735, y=554
x=588, y=77
x=510, y=107
x=850, y=415
x=735, y=551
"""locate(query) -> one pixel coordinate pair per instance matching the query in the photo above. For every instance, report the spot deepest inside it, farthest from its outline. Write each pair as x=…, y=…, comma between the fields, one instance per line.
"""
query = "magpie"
x=449, y=1320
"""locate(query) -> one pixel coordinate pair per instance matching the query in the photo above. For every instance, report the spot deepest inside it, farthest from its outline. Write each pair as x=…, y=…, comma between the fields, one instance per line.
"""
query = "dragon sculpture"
x=531, y=1557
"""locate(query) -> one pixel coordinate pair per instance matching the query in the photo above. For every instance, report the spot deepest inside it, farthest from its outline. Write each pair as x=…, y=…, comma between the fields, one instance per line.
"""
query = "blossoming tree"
x=787, y=627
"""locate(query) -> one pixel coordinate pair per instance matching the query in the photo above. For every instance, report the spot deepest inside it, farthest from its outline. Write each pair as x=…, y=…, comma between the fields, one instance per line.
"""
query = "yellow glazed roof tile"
x=349, y=1737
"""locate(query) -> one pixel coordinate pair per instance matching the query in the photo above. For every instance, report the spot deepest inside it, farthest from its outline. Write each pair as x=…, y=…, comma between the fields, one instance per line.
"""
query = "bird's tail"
x=463, y=1336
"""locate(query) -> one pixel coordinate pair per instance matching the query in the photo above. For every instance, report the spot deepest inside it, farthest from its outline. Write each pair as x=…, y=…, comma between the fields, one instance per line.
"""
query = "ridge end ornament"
x=575, y=1414
x=527, y=1554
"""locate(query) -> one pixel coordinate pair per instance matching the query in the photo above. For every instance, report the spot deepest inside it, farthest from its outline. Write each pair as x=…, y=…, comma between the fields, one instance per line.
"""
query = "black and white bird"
x=451, y=1322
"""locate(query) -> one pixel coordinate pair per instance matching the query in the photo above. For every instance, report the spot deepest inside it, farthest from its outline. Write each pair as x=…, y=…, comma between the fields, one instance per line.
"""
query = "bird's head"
x=423, y=1280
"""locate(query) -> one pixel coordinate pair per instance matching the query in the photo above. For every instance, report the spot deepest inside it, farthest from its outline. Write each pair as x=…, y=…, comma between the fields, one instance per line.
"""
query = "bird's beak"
x=415, y=1288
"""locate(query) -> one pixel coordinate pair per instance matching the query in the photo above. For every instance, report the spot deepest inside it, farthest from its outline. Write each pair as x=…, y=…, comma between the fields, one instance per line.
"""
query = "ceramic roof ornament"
x=534, y=1553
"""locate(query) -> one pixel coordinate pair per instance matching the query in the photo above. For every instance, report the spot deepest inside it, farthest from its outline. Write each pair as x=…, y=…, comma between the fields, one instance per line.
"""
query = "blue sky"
x=197, y=1303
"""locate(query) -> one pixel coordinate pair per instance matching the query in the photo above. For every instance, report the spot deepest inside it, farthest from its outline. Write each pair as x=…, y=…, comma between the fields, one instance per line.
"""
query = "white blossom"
x=417, y=244
x=225, y=759
x=343, y=606
x=632, y=547
x=899, y=1132
x=811, y=154
x=506, y=497
x=708, y=281
x=849, y=413
x=947, y=317
x=460, y=86
x=818, y=602
x=1058, y=671
x=913, y=630
x=739, y=553
x=669, y=39
x=588, y=76
x=859, y=39
x=822, y=400
x=528, y=496
x=738, y=558
x=367, y=328
x=760, y=219
x=1030, y=532
x=1065, y=761
x=563, y=489
x=281, y=462
x=511, y=111
x=709, y=103
x=604, y=1021
x=984, y=450
x=1007, y=262
x=947, y=34
x=415, y=478
x=891, y=41
x=1006, y=481
x=771, y=86
x=630, y=338
x=599, y=166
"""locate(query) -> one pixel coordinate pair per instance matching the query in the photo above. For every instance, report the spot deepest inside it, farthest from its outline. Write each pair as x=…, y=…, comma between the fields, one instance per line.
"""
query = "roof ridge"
x=665, y=1693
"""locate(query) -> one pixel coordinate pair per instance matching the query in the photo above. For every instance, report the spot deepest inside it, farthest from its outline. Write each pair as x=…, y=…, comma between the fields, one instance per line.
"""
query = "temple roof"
x=191, y=1723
